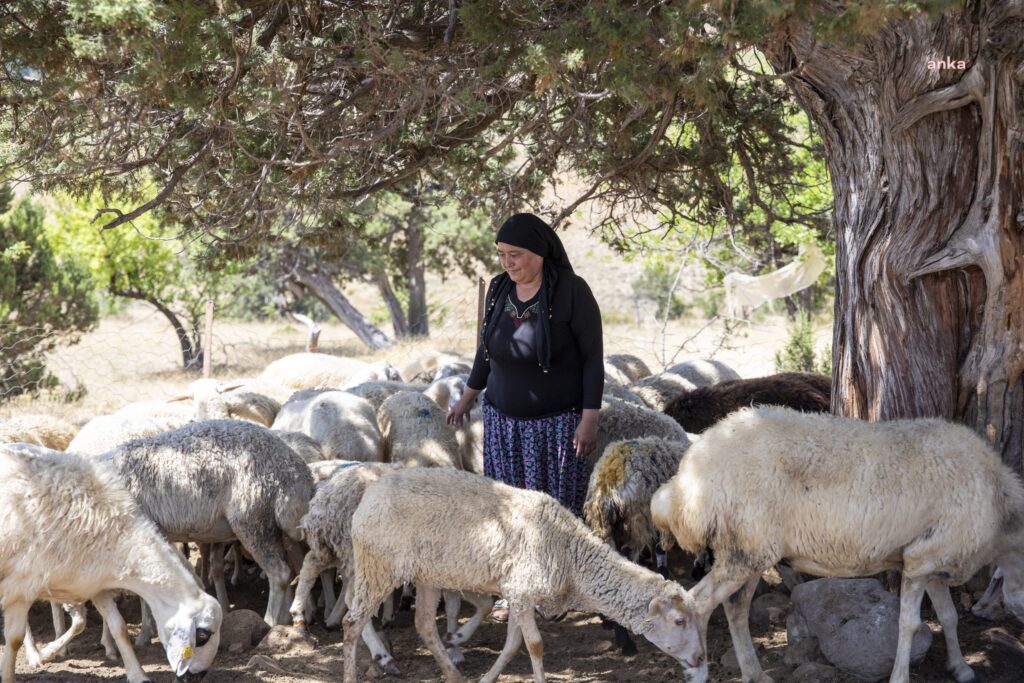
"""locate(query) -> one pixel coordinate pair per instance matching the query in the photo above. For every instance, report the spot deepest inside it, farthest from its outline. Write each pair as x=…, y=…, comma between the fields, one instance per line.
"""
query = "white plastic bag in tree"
x=744, y=292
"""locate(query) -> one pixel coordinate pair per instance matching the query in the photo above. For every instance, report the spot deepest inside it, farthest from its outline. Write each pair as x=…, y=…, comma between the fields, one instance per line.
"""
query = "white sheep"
x=71, y=533
x=306, y=447
x=377, y=392
x=446, y=529
x=703, y=373
x=620, y=420
x=415, y=434
x=213, y=400
x=424, y=367
x=842, y=497
x=343, y=424
x=323, y=371
x=42, y=430
x=624, y=368
x=105, y=432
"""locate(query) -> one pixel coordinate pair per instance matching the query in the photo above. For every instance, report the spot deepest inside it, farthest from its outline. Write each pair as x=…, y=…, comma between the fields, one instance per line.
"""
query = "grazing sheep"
x=445, y=529
x=424, y=367
x=657, y=391
x=219, y=481
x=42, y=430
x=621, y=420
x=618, y=504
x=415, y=433
x=213, y=400
x=624, y=368
x=343, y=424
x=842, y=497
x=377, y=392
x=71, y=532
x=699, y=409
x=622, y=393
x=106, y=432
x=177, y=412
x=703, y=373
x=323, y=371
x=447, y=391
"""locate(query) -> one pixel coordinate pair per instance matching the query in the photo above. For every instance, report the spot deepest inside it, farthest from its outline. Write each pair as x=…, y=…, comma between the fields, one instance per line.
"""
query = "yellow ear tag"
x=187, y=652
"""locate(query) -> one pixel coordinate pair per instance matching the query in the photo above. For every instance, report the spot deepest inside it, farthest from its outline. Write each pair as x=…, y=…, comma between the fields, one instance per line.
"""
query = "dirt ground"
x=576, y=649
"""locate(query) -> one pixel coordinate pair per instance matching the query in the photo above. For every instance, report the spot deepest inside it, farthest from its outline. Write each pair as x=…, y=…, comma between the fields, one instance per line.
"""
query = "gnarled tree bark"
x=927, y=170
x=323, y=289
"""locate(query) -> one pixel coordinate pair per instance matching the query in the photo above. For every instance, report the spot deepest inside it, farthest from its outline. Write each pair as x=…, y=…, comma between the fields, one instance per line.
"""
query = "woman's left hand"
x=585, y=438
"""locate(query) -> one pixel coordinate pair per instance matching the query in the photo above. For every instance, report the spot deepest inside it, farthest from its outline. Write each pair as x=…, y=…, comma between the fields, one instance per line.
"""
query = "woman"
x=540, y=358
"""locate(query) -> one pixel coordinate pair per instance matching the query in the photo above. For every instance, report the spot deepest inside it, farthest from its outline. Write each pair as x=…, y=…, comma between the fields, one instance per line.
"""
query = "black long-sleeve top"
x=516, y=384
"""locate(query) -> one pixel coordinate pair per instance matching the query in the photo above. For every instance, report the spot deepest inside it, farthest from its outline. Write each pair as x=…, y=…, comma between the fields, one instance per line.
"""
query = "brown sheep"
x=699, y=409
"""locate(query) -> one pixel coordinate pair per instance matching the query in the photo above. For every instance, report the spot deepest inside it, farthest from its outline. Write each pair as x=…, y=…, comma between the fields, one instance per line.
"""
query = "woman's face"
x=522, y=265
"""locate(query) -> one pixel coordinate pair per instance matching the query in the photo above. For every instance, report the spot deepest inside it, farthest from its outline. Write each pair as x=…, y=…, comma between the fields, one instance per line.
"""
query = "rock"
x=286, y=641
x=265, y=663
x=813, y=672
x=796, y=628
x=241, y=630
x=856, y=622
x=802, y=652
x=729, y=662
x=770, y=608
x=604, y=646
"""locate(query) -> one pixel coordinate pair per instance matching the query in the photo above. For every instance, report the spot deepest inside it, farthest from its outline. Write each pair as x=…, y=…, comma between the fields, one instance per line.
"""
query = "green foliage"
x=46, y=298
x=798, y=355
x=655, y=285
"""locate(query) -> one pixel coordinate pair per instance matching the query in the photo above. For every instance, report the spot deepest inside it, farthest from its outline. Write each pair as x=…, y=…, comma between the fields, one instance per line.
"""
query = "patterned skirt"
x=536, y=454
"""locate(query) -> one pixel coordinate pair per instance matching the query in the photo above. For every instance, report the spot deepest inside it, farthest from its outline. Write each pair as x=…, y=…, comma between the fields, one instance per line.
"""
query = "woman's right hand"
x=458, y=412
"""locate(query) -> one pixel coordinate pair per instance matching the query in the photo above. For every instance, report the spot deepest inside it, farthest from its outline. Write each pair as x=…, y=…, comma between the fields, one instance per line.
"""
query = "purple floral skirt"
x=536, y=454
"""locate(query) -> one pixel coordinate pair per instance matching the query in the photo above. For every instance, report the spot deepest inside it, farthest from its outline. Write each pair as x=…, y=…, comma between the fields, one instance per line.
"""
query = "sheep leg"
x=426, y=626
x=534, y=645
x=57, y=613
x=333, y=620
x=355, y=625
x=513, y=639
x=236, y=572
x=217, y=574
x=203, y=566
x=266, y=548
x=109, y=648
x=452, y=604
x=327, y=586
x=119, y=630
x=148, y=628
x=453, y=639
x=58, y=645
x=312, y=566
x=713, y=589
x=737, y=611
x=938, y=593
x=910, y=619
x=387, y=615
x=32, y=657
x=15, y=623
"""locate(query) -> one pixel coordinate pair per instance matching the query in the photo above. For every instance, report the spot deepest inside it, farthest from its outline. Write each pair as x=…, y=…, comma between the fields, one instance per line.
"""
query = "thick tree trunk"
x=387, y=292
x=323, y=289
x=419, y=323
x=191, y=348
x=927, y=170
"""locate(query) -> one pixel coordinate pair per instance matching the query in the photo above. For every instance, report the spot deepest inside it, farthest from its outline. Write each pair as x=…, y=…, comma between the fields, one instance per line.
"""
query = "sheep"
x=622, y=393
x=71, y=532
x=425, y=366
x=377, y=391
x=657, y=391
x=415, y=432
x=213, y=400
x=176, y=412
x=624, y=368
x=327, y=528
x=106, y=432
x=304, y=446
x=446, y=529
x=446, y=391
x=621, y=420
x=41, y=430
x=323, y=371
x=618, y=504
x=703, y=373
x=219, y=481
x=842, y=497
x=699, y=409
x=344, y=425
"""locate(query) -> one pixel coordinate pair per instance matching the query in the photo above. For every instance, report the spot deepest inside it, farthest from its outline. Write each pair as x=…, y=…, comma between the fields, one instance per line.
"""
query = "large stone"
x=286, y=641
x=813, y=672
x=856, y=622
x=802, y=651
x=241, y=630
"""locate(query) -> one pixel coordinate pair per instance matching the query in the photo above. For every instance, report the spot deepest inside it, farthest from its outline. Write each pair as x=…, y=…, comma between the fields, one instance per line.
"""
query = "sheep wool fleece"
x=536, y=454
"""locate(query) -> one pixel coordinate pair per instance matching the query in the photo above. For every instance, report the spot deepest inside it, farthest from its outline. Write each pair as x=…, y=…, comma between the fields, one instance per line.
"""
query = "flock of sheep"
x=325, y=468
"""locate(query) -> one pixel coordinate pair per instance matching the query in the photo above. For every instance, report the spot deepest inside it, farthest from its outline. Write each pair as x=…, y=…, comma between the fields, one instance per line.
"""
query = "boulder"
x=813, y=672
x=802, y=651
x=286, y=641
x=241, y=630
x=856, y=622
x=770, y=608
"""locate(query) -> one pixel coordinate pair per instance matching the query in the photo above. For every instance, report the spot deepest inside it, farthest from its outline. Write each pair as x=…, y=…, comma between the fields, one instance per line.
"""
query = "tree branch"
x=969, y=89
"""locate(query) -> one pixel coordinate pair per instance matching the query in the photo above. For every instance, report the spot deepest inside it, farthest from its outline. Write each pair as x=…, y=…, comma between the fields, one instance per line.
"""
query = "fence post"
x=208, y=341
x=480, y=294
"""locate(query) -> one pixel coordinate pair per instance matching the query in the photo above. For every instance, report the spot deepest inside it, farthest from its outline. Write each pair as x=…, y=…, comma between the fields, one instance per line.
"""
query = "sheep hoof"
x=456, y=656
x=387, y=664
x=963, y=674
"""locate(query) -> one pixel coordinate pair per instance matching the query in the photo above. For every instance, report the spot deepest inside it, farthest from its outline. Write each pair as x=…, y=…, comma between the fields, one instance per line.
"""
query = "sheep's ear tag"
x=180, y=648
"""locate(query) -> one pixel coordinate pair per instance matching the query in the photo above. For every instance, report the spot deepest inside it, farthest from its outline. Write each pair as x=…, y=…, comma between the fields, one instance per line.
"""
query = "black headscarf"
x=529, y=232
